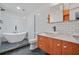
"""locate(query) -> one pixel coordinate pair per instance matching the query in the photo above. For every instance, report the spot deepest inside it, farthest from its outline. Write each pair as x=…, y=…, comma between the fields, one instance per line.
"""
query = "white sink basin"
x=51, y=32
x=76, y=36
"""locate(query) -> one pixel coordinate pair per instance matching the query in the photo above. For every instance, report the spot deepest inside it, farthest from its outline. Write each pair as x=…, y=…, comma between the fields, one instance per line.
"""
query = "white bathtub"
x=14, y=37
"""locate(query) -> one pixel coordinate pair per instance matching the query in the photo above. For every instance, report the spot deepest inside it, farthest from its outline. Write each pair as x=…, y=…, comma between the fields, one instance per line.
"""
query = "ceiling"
x=26, y=8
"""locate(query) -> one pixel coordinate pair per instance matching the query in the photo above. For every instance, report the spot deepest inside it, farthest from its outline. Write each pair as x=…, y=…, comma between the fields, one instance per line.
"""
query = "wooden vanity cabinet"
x=55, y=46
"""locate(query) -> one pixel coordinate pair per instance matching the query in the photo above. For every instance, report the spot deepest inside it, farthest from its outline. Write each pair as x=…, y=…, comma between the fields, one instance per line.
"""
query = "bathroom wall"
x=9, y=21
x=67, y=28
x=41, y=24
x=30, y=25
x=27, y=24
x=39, y=27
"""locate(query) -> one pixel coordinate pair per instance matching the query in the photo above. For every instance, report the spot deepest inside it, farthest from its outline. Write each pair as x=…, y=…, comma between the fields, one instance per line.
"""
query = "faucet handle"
x=54, y=28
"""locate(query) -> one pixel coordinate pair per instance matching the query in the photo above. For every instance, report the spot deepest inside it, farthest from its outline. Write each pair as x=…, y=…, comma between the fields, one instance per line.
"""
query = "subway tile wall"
x=67, y=27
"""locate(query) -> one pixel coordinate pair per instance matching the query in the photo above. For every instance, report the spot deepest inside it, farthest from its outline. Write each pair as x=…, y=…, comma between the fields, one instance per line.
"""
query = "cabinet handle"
x=40, y=45
x=65, y=46
x=58, y=44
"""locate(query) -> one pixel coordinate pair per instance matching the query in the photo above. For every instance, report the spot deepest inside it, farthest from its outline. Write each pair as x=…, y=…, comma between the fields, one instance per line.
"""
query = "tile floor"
x=20, y=48
x=25, y=51
x=6, y=46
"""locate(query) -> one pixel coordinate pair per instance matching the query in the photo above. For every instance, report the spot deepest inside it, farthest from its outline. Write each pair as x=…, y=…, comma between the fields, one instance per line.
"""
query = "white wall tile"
x=67, y=28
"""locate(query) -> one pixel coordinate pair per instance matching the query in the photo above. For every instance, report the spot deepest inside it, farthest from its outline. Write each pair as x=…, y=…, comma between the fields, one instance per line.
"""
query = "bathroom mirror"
x=64, y=12
x=74, y=14
x=73, y=11
x=77, y=15
x=56, y=13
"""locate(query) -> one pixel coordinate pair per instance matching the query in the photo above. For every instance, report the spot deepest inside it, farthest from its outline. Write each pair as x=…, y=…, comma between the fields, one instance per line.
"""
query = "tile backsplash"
x=67, y=27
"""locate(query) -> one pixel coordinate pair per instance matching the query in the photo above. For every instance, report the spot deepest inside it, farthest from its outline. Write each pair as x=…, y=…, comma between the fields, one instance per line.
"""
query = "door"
x=69, y=48
x=41, y=43
x=44, y=43
x=57, y=47
x=51, y=46
x=47, y=43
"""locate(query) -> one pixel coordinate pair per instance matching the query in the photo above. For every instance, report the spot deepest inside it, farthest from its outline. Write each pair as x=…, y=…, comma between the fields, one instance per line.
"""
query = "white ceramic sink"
x=51, y=32
x=76, y=36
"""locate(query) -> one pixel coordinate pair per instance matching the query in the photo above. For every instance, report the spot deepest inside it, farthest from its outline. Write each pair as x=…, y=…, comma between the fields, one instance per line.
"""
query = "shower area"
x=12, y=33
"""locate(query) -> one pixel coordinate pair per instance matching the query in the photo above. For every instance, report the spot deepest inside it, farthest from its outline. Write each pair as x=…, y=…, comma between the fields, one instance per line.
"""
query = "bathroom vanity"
x=58, y=44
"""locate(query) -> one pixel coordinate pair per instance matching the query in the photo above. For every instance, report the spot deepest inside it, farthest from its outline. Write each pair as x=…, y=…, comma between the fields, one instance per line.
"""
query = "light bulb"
x=18, y=7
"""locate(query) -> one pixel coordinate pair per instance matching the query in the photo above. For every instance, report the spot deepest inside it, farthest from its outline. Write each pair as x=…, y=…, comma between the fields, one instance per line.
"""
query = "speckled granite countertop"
x=65, y=37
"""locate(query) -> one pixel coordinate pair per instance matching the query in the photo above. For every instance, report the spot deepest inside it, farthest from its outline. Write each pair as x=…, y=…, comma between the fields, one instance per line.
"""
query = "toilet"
x=32, y=43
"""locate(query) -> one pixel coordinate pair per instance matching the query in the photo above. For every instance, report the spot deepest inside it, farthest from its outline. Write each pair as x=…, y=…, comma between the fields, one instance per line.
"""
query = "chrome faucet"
x=54, y=28
x=15, y=29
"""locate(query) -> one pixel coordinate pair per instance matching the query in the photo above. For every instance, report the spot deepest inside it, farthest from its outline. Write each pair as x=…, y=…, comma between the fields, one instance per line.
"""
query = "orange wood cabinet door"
x=41, y=43
x=51, y=46
x=69, y=48
x=57, y=47
x=48, y=43
x=44, y=43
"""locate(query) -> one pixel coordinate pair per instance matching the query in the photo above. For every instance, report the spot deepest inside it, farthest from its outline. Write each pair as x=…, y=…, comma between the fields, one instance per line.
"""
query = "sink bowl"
x=51, y=32
x=76, y=36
